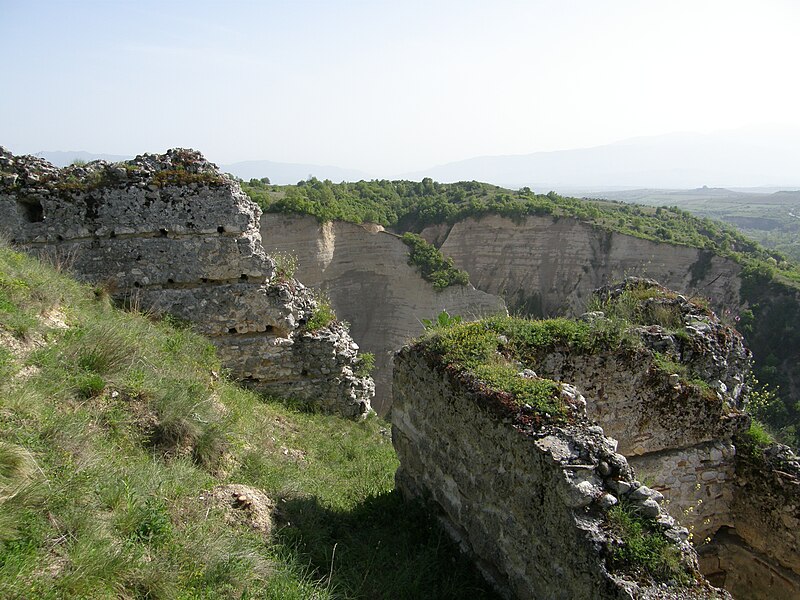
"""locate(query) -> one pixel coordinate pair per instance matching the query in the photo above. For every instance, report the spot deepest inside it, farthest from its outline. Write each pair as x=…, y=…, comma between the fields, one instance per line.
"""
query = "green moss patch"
x=497, y=349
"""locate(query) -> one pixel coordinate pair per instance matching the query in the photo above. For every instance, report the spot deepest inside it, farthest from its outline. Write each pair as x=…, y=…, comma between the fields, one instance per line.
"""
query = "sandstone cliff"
x=546, y=266
x=171, y=234
x=364, y=271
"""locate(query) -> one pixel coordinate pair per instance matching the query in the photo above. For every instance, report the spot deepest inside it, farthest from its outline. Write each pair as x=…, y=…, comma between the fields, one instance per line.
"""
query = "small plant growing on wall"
x=323, y=314
x=285, y=266
x=443, y=320
x=365, y=364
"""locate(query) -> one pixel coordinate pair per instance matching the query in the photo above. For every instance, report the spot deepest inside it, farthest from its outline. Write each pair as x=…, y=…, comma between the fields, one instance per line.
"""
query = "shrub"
x=322, y=315
x=443, y=320
x=365, y=364
x=432, y=264
x=285, y=266
x=643, y=547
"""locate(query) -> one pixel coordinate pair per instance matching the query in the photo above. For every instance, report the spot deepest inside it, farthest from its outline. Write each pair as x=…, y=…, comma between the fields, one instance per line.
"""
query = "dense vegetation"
x=771, y=219
x=115, y=431
x=496, y=349
x=432, y=264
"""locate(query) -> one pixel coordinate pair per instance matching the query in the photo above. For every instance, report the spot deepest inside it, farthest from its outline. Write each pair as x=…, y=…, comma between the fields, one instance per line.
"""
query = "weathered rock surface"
x=171, y=234
x=364, y=271
x=766, y=515
x=528, y=503
x=673, y=400
x=546, y=266
x=681, y=429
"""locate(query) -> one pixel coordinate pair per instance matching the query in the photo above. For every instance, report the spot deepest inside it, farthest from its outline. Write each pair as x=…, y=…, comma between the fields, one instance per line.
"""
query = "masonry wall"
x=745, y=572
x=681, y=438
x=170, y=234
x=527, y=505
x=697, y=483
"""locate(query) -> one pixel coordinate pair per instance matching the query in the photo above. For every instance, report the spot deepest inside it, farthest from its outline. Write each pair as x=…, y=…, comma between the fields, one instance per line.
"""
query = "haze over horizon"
x=403, y=87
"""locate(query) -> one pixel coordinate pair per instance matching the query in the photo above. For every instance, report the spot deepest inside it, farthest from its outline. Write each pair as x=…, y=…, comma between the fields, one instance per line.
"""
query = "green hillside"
x=408, y=206
x=124, y=456
x=771, y=219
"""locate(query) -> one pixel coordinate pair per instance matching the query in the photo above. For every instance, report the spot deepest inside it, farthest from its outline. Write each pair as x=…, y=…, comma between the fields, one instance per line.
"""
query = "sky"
x=388, y=86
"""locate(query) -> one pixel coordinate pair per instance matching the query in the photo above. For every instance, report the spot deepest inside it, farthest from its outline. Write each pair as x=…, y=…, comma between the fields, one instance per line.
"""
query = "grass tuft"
x=642, y=547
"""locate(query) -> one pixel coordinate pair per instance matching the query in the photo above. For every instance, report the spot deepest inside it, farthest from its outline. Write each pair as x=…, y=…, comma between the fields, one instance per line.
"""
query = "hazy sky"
x=388, y=86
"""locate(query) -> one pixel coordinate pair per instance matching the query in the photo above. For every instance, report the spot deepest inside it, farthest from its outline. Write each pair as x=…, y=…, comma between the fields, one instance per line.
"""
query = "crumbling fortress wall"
x=666, y=380
x=173, y=235
x=548, y=265
x=530, y=503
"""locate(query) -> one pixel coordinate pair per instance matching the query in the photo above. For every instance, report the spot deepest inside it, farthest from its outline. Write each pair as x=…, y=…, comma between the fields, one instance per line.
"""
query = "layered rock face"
x=364, y=271
x=529, y=503
x=676, y=409
x=171, y=234
x=545, y=266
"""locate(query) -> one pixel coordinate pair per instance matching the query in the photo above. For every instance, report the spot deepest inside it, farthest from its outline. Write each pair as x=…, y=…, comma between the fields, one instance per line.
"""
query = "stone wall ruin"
x=528, y=504
x=171, y=234
x=673, y=406
x=352, y=262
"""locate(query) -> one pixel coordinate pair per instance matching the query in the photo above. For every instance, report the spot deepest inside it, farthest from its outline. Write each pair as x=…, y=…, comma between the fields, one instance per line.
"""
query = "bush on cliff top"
x=432, y=264
x=410, y=206
x=113, y=430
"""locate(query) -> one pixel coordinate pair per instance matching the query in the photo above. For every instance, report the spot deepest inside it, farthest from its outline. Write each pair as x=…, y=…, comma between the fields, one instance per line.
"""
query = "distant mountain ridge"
x=279, y=173
x=62, y=158
x=288, y=173
x=753, y=157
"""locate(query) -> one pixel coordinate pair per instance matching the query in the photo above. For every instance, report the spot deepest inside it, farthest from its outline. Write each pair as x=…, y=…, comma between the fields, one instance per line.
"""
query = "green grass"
x=643, y=547
x=753, y=441
x=113, y=429
x=322, y=315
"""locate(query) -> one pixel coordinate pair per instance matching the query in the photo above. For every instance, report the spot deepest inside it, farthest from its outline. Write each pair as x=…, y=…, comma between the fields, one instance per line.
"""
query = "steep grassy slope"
x=118, y=436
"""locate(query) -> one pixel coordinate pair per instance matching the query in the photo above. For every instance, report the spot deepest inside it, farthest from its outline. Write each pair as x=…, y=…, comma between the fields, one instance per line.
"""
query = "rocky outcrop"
x=364, y=270
x=530, y=504
x=676, y=410
x=171, y=234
